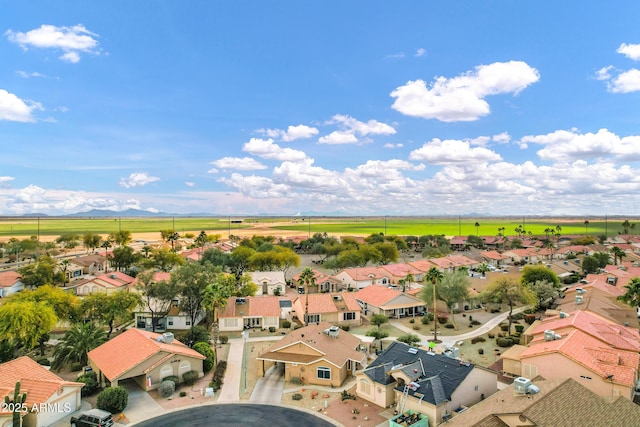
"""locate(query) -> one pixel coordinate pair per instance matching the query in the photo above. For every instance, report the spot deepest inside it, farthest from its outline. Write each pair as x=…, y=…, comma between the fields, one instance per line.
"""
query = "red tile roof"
x=325, y=303
x=132, y=347
x=8, y=278
x=379, y=296
x=37, y=381
x=258, y=306
x=401, y=270
x=366, y=273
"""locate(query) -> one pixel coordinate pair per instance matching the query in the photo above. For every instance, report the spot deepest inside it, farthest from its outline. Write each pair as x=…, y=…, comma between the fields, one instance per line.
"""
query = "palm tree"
x=201, y=240
x=434, y=276
x=65, y=266
x=558, y=230
x=106, y=245
x=625, y=226
x=477, y=226
x=483, y=269
x=586, y=227
x=618, y=253
x=145, y=250
x=77, y=343
x=632, y=294
x=307, y=278
x=215, y=298
x=172, y=238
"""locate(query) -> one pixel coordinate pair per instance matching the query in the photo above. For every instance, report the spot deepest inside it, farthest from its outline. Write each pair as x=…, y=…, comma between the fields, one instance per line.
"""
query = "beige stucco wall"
x=556, y=366
x=380, y=395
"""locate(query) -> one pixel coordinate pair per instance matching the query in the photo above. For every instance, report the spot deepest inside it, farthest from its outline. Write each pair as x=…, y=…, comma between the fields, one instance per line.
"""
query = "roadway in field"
x=237, y=415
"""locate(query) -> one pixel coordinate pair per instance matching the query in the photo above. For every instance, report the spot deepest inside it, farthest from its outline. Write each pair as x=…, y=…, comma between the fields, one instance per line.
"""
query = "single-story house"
x=400, y=271
x=320, y=354
x=86, y=264
x=337, y=308
x=269, y=282
x=422, y=381
x=10, y=283
x=114, y=281
x=144, y=357
x=361, y=277
x=323, y=283
x=250, y=312
x=49, y=397
x=389, y=302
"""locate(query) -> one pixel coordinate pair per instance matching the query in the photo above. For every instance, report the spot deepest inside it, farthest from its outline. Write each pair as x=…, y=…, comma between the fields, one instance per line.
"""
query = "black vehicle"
x=93, y=418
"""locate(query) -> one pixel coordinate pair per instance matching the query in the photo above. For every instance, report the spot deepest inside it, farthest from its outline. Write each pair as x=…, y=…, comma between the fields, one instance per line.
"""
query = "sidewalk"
x=451, y=340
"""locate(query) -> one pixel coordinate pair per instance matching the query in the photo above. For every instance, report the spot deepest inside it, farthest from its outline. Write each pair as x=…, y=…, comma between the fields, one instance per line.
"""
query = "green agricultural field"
x=402, y=226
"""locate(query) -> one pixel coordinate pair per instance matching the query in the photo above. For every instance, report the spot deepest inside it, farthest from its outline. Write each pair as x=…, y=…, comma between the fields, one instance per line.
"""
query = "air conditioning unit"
x=579, y=299
x=580, y=291
x=563, y=315
x=550, y=335
x=525, y=386
x=333, y=331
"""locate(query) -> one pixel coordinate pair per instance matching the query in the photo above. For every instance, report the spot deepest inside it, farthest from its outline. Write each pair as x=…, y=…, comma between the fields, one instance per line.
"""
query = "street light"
x=245, y=335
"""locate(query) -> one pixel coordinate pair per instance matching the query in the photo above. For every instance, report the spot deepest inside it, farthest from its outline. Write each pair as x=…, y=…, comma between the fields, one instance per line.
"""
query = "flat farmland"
x=301, y=226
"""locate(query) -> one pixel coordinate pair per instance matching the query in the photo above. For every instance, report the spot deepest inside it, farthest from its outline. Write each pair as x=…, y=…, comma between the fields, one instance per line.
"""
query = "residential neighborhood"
x=364, y=337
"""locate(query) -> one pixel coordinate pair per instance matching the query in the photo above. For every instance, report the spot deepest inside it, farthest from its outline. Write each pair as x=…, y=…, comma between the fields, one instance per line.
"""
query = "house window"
x=188, y=322
x=350, y=316
x=313, y=318
x=324, y=373
x=171, y=322
x=231, y=323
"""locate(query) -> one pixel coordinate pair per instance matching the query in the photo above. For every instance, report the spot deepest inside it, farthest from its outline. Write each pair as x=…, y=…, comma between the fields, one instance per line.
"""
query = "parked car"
x=93, y=418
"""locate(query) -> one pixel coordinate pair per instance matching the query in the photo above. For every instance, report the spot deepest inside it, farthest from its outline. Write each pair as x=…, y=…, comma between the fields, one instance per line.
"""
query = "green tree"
x=65, y=305
x=603, y=258
x=410, y=339
x=453, y=290
x=590, y=264
x=157, y=295
x=42, y=272
x=539, y=273
x=483, y=269
x=625, y=227
x=240, y=259
x=173, y=238
x=201, y=240
x=192, y=279
x=113, y=399
x=631, y=295
x=215, y=299
x=120, y=238
x=509, y=291
x=107, y=309
x=429, y=295
x=91, y=241
x=618, y=254
x=477, y=226
x=25, y=323
x=246, y=287
x=546, y=293
x=77, y=343
x=106, y=245
x=123, y=258
x=389, y=252
x=378, y=335
x=307, y=278
x=378, y=320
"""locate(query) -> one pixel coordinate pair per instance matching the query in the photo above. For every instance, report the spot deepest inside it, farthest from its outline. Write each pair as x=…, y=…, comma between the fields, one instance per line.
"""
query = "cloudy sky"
x=326, y=107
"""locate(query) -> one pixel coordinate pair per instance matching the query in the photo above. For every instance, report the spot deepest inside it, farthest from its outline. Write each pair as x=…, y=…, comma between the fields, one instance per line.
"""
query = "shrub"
x=114, y=399
x=76, y=366
x=504, y=342
x=410, y=339
x=297, y=396
x=345, y=327
x=504, y=328
x=465, y=315
x=449, y=326
x=443, y=319
x=412, y=321
x=272, y=329
x=196, y=334
x=286, y=324
x=166, y=388
x=480, y=351
x=475, y=322
x=416, y=327
x=173, y=378
x=477, y=339
x=44, y=361
x=218, y=374
x=190, y=377
x=470, y=318
x=90, y=380
x=519, y=328
x=183, y=393
x=428, y=316
x=223, y=339
x=425, y=320
x=491, y=335
x=205, y=349
x=517, y=316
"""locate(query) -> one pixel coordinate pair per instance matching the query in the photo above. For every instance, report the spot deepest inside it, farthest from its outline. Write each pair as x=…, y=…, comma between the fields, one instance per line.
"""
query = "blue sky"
x=325, y=107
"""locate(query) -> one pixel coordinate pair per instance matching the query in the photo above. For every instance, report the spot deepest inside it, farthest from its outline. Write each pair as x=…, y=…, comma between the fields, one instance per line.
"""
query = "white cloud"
x=266, y=149
x=70, y=40
x=351, y=128
x=631, y=51
x=26, y=75
x=291, y=134
x=256, y=186
x=398, y=55
x=420, y=52
x=569, y=146
x=604, y=73
x=450, y=151
x=15, y=109
x=628, y=81
x=503, y=137
x=190, y=184
x=137, y=179
x=390, y=145
x=5, y=179
x=462, y=98
x=244, y=163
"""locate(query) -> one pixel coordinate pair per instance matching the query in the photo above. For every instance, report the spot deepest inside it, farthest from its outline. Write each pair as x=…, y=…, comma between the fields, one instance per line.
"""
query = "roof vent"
x=579, y=299
x=523, y=385
x=452, y=352
x=612, y=280
x=412, y=350
x=563, y=315
x=167, y=337
x=622, y=267
x=113, y=276
x=550, y=335
x=580, y=291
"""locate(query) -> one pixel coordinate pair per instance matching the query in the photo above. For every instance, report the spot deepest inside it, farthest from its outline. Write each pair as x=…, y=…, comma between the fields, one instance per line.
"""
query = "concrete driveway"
x=269, y=388
x=141, y=405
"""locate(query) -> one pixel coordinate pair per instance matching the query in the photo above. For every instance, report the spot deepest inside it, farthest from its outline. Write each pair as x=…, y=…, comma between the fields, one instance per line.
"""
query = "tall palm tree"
x=617, y=253
x=586, y=227
x=77, y=343
x=106, y=245
x=65, y=266
x=477, y=226
x=434, y=276
x=214, y=299
x=625, y=226
x=307, y=278
x=173, y=237
x=632, y=293
x=201, y=240
x=558, y=230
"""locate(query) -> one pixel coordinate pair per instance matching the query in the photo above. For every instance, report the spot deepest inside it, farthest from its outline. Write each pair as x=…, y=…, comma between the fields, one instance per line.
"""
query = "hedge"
x=113, y=399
